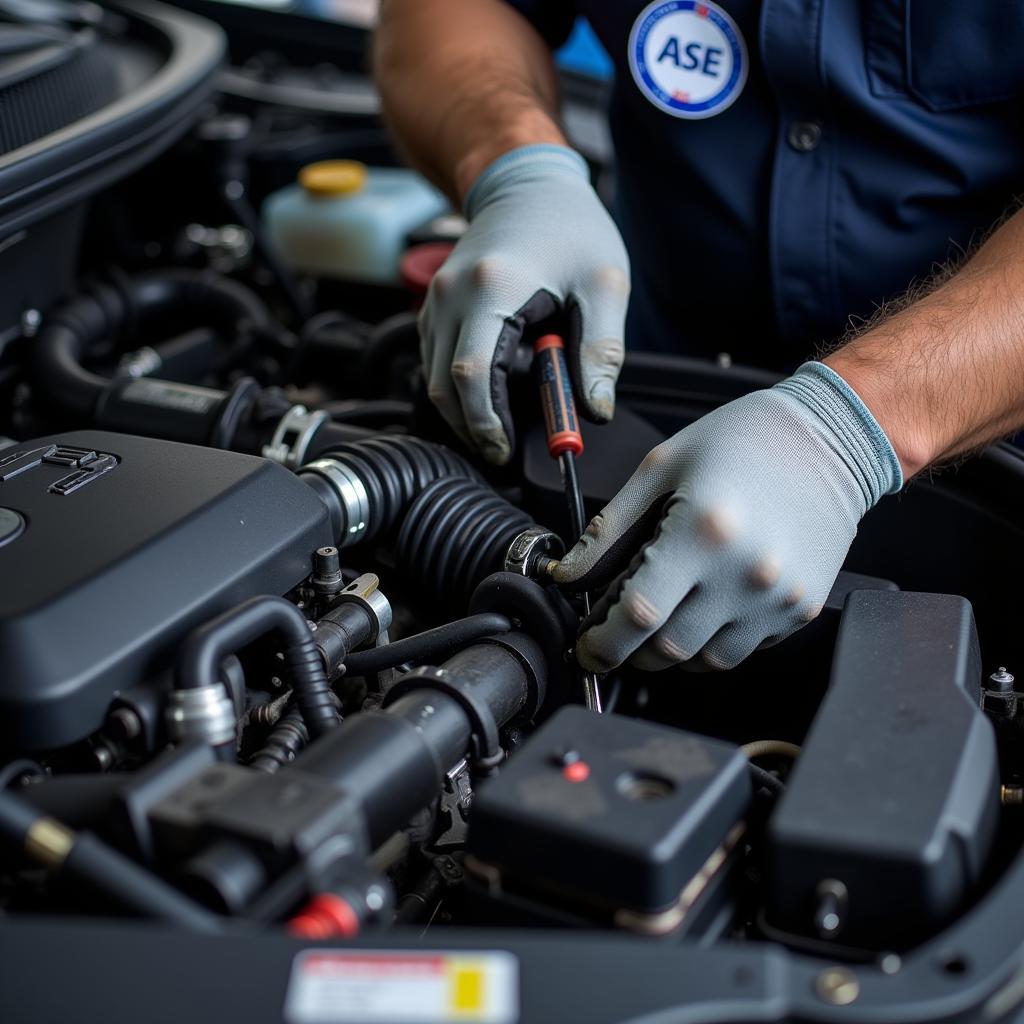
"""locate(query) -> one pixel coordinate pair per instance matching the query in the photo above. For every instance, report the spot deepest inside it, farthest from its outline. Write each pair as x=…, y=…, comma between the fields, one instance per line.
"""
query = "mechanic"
x=784, y=166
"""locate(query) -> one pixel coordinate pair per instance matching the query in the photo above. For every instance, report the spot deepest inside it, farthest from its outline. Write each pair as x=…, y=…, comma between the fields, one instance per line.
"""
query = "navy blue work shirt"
x=784, y=165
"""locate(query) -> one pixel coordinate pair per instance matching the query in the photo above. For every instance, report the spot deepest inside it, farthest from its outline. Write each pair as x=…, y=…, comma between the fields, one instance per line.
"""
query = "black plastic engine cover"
x=108, y=559
x=895, y=795
x=610, y=809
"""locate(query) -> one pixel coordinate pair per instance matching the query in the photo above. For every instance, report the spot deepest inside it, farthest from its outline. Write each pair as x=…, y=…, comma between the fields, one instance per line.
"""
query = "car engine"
x=281, y=664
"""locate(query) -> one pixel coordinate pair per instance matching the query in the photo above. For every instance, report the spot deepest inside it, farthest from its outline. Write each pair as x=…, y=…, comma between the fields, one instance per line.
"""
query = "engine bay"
x=282, y=667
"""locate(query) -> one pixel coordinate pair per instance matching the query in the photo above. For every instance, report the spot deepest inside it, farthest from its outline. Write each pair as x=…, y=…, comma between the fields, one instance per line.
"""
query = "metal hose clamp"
x=293, y=434
x=366, y=591
x=355, y=502
x=529, y=547
x=201, y=712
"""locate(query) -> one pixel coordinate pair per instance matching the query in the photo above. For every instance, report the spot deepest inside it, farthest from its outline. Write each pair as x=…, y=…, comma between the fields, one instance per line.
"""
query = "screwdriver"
x=565, y=443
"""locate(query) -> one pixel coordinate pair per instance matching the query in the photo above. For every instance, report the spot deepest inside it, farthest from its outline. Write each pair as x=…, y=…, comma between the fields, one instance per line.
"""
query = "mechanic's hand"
x=539, y=240
x=753, y=509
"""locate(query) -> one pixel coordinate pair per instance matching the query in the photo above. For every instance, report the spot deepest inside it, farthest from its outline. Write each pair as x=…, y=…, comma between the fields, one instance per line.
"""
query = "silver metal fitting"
x=203, y=712
x=355, y=502
x=1001, y=679
x=293, y=434
x=529, y=548
x=327, y=579
x=366, y=591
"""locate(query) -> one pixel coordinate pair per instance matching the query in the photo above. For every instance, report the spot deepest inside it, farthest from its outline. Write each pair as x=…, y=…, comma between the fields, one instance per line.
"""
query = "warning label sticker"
x=330, y=986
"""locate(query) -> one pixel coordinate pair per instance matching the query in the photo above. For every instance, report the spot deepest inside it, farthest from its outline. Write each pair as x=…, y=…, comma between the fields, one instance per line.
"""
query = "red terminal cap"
x=325, y=916
x=578, y=771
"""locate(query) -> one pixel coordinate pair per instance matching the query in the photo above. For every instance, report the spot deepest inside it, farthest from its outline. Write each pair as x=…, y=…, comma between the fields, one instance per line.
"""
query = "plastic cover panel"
x=113, y=567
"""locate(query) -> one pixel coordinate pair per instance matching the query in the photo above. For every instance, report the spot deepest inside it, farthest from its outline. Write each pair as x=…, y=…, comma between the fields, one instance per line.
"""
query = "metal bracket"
x=292, y=436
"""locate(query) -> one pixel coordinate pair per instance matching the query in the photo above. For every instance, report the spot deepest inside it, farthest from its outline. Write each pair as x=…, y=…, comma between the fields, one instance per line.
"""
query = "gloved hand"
x=539, y=240
x=753, y=509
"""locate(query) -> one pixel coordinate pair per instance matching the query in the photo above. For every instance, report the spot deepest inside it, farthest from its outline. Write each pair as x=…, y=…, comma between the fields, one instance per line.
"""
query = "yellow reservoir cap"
x=333, y=177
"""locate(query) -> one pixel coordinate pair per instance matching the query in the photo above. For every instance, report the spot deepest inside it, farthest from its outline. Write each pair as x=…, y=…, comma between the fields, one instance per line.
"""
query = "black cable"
x=439, y=643
x=85, y=858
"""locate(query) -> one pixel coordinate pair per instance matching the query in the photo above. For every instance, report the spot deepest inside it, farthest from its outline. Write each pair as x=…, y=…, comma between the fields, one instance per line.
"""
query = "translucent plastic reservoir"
x=347, y=221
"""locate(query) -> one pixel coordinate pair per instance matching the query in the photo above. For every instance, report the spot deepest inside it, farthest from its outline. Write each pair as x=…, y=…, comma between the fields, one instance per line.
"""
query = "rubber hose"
x=439, y=643
x=66, y=335
x=455, y=530
x=455, y=534
x=206, y=647
x=392, y=471
x=313, y=695
x=109, y=311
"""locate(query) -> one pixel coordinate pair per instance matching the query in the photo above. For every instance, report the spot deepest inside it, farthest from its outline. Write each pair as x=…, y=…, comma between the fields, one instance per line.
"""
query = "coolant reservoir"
x=345, y=220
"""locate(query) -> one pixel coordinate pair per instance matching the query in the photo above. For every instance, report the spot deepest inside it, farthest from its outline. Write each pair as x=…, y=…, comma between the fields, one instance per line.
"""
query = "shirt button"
x=804, y=136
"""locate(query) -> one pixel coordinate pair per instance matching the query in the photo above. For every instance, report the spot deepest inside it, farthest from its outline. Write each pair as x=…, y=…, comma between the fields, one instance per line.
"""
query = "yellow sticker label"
x=376, y=986
x=468, y=989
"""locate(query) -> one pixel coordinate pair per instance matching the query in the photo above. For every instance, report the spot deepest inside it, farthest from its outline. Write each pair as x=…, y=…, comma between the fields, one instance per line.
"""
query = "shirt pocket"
x=947, y=54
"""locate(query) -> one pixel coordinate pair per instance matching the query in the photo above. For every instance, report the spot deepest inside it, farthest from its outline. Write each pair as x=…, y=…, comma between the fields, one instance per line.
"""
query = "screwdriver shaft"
x=564, y=443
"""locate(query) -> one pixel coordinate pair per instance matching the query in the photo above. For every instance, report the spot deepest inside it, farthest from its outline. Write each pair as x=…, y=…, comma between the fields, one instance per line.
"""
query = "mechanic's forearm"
x=463, y=81
x=946, y=375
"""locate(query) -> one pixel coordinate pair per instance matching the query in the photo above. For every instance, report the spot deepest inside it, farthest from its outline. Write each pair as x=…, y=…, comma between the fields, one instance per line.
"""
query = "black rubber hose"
x=455, y=534
x=455, y=530
x=85, y=858
x=428, y=646
x=206, y=647
x=112, y=310
x=66, y=335
x=199, y=295
x=392, y=472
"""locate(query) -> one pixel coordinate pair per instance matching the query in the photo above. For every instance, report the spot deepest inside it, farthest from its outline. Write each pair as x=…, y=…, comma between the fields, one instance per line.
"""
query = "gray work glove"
x=752, y=508
x=539, y=240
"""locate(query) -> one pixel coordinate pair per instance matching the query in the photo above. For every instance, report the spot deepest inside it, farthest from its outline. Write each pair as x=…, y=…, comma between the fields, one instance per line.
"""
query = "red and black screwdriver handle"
x=560, y=419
